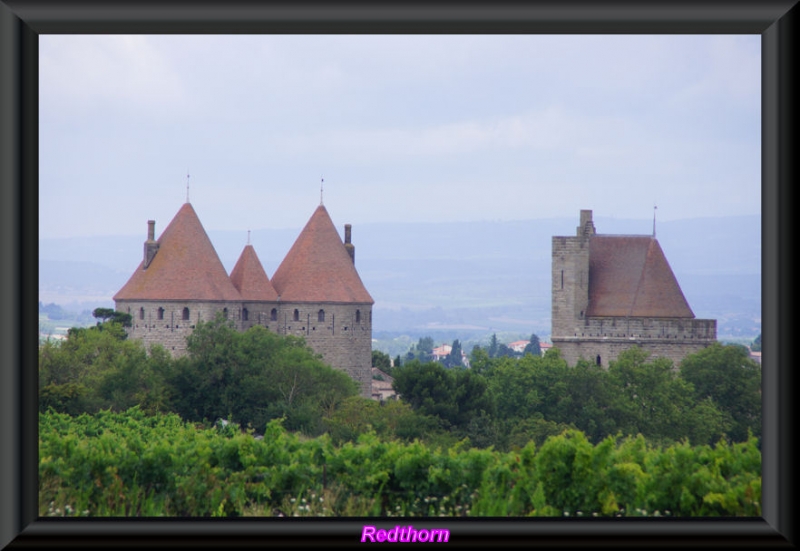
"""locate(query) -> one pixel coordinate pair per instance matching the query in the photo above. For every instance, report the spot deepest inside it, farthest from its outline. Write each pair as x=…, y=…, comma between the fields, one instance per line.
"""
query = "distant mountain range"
x=453, y=277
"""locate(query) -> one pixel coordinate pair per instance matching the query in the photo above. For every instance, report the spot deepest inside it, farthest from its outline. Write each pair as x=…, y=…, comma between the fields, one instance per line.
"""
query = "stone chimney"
x=150, y=246
x=351, y=250
x=587, y=226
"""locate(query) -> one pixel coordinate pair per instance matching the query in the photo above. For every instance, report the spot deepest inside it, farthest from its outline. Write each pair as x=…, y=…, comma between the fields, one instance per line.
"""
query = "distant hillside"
x=484, y=276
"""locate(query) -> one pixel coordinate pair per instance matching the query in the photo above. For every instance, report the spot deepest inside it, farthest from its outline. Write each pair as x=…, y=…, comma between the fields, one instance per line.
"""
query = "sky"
x=401, y=128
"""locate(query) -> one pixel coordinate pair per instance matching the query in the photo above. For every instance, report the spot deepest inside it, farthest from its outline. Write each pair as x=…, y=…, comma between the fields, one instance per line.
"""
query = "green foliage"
x=422, y=351
x=454, y=358
x=381, y=361
x=756, y=346
x=108, y=314
x=533, y=347
x=254, y=376
x=453, y=396
x=133, y=464
x=389, y=420
x=726, y=375
x=95, y=368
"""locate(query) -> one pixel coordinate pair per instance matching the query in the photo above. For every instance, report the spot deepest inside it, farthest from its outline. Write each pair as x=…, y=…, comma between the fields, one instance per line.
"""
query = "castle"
x=611, y=292
x=316, y=292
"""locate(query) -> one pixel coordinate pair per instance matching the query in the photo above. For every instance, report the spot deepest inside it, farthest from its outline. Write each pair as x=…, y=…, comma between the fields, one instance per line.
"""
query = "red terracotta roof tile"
x=630, y=276
x=186, y=266
x=250, y=279
x=318, y=267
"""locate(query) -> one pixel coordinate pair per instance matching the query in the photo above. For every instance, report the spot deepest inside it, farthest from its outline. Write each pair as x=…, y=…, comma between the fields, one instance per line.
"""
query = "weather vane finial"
x=248, y=237
x=321, y=181
x=187, y=186
x=654, y=219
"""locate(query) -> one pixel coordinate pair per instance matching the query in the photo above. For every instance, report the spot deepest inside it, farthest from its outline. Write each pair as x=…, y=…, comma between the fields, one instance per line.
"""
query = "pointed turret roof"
x=185, y=267
x=630, y=276
x=250, y=279
x=318, y=268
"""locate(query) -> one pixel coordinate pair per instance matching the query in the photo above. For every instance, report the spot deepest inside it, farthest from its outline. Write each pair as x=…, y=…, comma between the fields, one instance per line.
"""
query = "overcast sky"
x=401, y=128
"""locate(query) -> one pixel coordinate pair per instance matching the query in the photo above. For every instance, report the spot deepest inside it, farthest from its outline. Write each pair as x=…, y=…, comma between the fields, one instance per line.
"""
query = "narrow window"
x=358, y=316
x=141, y=313
x=273, y=315
x=562, y=279
x=161, y=313
x=598, y=360
x=321, y=315
x=245, y=314
x=185, y=314
x=225, y=312
x=296, y=315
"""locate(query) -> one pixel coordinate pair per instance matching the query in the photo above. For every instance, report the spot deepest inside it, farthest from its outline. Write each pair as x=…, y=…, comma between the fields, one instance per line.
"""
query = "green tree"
x=756, y=346
x=254, y=376
x=454, y=396
x=382, y=361
x=109, y=314
x=422, y=351
x=732, y=380
x=427, y=388
x=533, y=346
x=93, y=368
x=454, y=358
x=650, y=398
x=493, y=346
x=479, y=361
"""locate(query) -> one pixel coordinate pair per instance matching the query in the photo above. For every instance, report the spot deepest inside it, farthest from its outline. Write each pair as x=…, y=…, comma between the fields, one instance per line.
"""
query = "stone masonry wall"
x=168, y=328
x=343, y=338
x=342, y=335
x=570, y=283
x=609, y=349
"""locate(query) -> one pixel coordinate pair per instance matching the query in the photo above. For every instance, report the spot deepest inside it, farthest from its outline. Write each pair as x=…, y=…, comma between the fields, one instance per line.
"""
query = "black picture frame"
x=21, y=22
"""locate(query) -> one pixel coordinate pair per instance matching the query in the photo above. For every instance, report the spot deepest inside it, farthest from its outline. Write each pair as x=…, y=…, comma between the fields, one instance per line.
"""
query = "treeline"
x=256, y=376
x=133, y=464
x=506, y=402
x=246, y=377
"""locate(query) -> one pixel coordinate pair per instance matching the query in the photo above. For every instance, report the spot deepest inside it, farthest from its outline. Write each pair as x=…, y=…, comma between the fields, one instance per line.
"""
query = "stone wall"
x=162, y=322
x=608, y=349
x=644, y=328
x=342, y=334
x=570, y=283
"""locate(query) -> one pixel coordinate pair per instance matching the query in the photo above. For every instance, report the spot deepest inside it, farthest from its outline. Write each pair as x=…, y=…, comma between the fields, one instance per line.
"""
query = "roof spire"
x=321, y=181
x=187, y=186
x=248, y=237
x=654, y=220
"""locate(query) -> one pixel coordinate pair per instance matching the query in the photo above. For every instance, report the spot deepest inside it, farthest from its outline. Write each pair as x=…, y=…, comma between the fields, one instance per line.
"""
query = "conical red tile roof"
x=186, y=266
x=630, y=276
x=250, y=279
x=318, y=267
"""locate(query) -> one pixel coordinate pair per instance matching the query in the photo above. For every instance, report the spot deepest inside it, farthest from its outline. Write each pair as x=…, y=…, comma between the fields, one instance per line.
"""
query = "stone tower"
x=179, y=283
x=322, y=298
x=611, y=292
x=316, y=293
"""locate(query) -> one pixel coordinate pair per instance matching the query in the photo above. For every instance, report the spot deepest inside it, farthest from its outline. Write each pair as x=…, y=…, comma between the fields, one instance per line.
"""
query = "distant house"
x=518, y=346
x=755, y=356
x=441, y=352
x=382, y=386
x=544, y=347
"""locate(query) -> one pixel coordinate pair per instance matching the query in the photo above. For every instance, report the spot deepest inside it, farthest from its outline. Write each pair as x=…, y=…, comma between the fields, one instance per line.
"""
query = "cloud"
x=121, y=70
